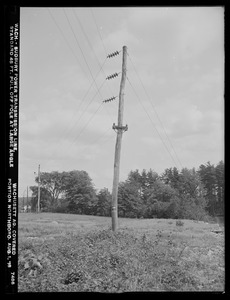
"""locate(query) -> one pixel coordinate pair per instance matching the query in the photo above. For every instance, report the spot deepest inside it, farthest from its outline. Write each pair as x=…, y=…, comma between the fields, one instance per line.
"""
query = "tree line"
x=184, y=194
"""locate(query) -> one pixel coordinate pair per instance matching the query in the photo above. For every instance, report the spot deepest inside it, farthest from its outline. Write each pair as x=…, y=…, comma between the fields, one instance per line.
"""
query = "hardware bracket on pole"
x=123, y=128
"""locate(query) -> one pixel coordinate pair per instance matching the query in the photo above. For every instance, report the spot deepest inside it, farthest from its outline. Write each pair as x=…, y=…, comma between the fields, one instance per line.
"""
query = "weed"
x=179, y=223
x=99, y=260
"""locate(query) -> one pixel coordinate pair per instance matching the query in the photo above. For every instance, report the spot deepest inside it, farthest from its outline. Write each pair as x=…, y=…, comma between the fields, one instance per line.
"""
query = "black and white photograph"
x=121, y=149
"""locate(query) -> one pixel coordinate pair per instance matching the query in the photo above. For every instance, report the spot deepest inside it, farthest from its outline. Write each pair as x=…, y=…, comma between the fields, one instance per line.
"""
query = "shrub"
x=179, y=223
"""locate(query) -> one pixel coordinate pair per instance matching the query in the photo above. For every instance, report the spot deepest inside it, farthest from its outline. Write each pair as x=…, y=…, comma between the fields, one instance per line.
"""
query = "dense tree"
x=80, y=192
x=134, y=178
x=129, y=201
x=208, y=178
x=172, y=177
x=156, y=198
x=151, y=178
x=219, y=170
x=140, y=193
x=175, y=194
x=45, y=199
x=104, y=199
x=54, y=183
x=190, y=183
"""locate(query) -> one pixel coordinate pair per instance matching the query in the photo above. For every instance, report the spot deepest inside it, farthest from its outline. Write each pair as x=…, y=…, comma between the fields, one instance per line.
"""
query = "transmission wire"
x=155, y=112
x=151, y=121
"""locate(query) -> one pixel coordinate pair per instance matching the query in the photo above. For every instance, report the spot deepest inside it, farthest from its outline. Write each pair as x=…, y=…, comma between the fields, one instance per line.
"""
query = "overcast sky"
x=174, y=94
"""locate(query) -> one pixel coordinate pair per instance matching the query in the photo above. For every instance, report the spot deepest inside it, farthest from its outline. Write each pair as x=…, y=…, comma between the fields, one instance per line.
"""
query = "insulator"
x=112, y=76
x=113, y=54
x=110, y=99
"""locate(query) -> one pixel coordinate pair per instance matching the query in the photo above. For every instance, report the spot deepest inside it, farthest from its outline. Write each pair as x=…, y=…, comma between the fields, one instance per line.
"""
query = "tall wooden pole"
x=38, y=188
x=23, y=201
x=27, y=200
x=120, y=128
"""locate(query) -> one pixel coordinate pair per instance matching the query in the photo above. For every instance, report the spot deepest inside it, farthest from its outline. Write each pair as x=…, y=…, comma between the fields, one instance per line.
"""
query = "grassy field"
x=77, y=253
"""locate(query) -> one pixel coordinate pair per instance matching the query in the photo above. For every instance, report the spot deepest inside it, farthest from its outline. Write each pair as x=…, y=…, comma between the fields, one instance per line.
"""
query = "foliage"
x=45, y=198
x=54, y=183
x=173, y=195
x=213, y=180
x=179, y=223
x=138, y=257
x=80, y=193
x=128, y=200
x=66, y=192
x=104, y=199
x=187, y=193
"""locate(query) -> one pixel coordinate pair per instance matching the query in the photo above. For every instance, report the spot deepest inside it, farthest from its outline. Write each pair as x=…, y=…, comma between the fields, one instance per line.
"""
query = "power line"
x=76, y=122
x=98, y=31
x=63, y=35
x=151, y=121
x=83, y=112
x=92, y=143
x=94, y=78
x=89, y=120
x=98, y=89
x=81, y=68
x=88, y=41
x=101, y=68
x=155, y=112
x=100, y=137
x=79, y=47
x=91, y=47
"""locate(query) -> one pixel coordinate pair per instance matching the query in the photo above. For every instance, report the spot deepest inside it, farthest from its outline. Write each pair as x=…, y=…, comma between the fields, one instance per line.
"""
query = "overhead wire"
x=156, y=113
x=94, y=78
x=101, y=68
x=106, y=53
x=89, y=120
x=71, y=27
x=63, y=35
x=100, y=137
x=83, y=128
x=84, y=111
x=81, y=102
x=94, y=81
x=91, y=47
x=94, y=19
x=68, y=130
x=154, y=126
x=86, y=36
x=98, y=89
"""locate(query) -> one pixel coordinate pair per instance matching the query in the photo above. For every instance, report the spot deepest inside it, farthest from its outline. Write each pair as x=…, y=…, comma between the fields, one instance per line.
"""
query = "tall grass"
x=141, y=256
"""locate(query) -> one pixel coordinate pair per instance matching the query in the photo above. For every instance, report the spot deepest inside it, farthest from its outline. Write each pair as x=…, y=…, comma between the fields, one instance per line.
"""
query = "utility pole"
x=38, y=188
x=23, y=201
x=27, y=198
x=120, y=129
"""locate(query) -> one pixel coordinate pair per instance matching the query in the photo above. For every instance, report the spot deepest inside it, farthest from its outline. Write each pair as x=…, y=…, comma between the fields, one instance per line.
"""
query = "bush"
x=129, y=260
x=179, y=223
x=186, y=207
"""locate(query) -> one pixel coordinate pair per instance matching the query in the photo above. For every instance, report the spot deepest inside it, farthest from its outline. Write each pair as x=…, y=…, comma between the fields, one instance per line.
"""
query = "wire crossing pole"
x=120, y=130
x=38, y=188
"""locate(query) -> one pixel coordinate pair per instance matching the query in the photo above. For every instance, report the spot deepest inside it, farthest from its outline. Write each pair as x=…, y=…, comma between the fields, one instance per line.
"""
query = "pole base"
x=114, y=219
